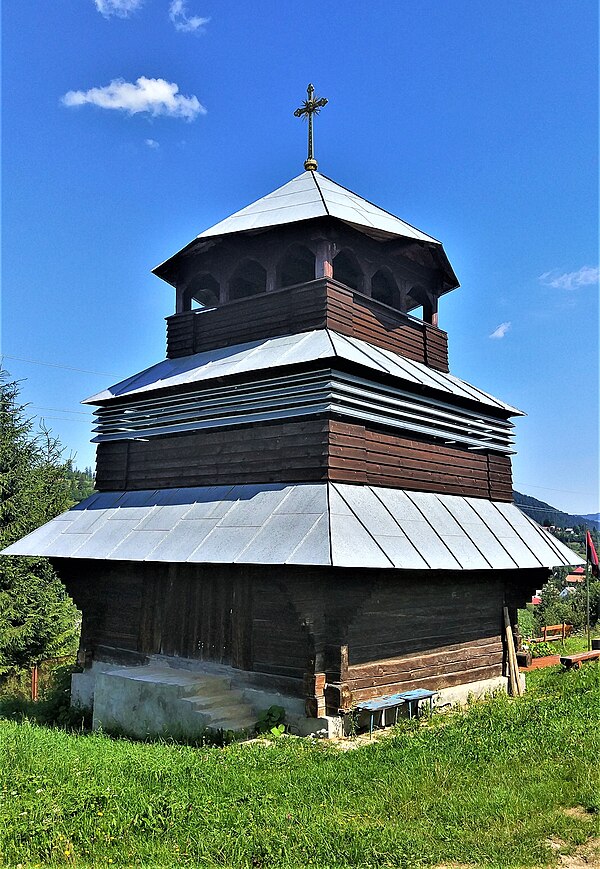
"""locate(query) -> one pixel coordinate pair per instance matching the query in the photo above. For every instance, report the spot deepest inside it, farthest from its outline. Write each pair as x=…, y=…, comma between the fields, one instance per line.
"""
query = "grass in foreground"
x=487, y=788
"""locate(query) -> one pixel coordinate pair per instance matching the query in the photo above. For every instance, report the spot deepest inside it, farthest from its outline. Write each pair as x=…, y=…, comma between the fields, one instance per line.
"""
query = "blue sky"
x=129, y=127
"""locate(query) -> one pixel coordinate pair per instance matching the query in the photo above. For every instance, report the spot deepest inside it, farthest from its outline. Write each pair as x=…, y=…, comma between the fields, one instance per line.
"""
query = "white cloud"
x=182, y=21
x=153, y=95
x=500, y=331
x=152, y=143
x=120, y=8
x=585, y=277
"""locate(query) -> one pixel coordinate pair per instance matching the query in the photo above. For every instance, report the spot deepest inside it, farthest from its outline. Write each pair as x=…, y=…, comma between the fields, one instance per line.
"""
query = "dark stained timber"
x=307, y=450
x=316, y=305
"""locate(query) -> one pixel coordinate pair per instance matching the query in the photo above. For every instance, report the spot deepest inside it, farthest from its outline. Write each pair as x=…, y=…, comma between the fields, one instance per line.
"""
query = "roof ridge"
x=379, y=208
x=314, y=174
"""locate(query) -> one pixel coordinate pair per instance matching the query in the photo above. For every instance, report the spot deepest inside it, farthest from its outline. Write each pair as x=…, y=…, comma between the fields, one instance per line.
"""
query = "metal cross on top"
x=310, y=107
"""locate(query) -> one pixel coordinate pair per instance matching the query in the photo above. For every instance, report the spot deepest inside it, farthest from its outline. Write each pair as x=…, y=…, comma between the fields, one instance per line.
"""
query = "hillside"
x=540, y=512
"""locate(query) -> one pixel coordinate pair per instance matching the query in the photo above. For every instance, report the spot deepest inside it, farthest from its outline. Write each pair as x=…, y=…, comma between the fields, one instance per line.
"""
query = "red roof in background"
x=536, y=599
x=578, y=570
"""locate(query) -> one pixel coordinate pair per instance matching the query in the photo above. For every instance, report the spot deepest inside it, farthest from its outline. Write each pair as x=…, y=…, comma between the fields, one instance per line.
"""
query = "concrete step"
x=235, y=724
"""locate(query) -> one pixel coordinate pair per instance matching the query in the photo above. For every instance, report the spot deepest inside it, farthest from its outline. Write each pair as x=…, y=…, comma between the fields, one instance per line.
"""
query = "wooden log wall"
x=340, y=636
x=435, y=633
x=280, y=452
x=315, y=305
x=362, y=454
x=303, y=451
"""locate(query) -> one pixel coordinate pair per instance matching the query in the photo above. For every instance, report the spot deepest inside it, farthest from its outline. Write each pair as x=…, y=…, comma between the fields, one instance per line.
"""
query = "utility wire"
x=55, y=365
x=57, y=409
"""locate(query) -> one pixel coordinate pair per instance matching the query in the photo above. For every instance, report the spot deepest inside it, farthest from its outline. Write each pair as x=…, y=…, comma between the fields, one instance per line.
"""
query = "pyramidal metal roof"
x=270, y=353
x=330, y=524
x=312, y=195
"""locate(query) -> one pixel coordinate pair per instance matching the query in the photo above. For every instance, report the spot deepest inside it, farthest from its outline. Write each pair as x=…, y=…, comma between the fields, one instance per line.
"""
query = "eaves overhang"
x=328, y=524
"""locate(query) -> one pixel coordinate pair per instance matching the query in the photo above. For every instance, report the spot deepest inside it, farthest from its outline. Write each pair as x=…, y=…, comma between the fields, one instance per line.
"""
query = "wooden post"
x=513, y=669
x=34, y=682
x=324, y=259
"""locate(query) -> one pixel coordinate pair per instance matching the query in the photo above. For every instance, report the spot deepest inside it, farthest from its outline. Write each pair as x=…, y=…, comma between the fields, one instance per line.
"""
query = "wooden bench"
x=395, y=701
x=575, y=661
x=554, y=632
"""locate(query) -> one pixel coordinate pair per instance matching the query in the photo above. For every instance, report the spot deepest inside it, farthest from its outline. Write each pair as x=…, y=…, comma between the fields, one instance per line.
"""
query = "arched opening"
x=347, y=271
x=385, y=289
x=203, y=293
x=296, y=267
x=249, y=279
x=416, y=300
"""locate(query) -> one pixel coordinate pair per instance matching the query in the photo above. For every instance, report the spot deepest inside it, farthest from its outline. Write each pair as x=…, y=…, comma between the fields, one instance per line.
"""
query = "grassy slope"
x=486, y=787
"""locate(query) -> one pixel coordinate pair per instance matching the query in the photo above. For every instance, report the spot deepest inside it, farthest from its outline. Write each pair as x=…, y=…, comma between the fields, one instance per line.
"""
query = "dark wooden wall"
x=316, y=305
x=363, y=454
x=279, y=452
x=333, y=635
x=438, y=633
x=304, y=451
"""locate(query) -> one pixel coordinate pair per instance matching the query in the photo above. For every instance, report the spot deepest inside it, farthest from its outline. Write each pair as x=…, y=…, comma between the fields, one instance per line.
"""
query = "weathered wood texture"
x=303, y=451
x=433, y=634
x=367, y=632
x=363, y=454
x=281, y=452
x=315, y=305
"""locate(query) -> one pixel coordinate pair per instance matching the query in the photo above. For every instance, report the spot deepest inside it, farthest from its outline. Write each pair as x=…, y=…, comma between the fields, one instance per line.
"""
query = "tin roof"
x=329, y=524
x=305, y=347
x=312, y=195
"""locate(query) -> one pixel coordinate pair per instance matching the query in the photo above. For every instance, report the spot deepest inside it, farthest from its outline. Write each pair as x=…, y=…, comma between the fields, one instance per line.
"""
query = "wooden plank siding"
x=304, y=451
x=363, y=454
x=367, y=632
x=314, y=305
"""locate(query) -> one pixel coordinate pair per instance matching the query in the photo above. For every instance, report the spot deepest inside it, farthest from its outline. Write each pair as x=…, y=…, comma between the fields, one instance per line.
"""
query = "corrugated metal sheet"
x=314, y=195
x=310, y=523
x=296, y=395
x=291, y=350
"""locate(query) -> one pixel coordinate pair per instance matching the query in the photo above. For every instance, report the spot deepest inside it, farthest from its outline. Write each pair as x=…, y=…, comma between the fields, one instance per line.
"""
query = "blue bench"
x=395, y=701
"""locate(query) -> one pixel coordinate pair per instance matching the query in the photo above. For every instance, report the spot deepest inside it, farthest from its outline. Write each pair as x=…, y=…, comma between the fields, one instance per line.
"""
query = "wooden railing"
x=319, y=304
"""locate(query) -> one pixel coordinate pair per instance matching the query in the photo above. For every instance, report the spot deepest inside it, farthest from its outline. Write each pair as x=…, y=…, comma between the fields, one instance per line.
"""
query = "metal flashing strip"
x=299, y=349
x=324, y=391
x=328, y=524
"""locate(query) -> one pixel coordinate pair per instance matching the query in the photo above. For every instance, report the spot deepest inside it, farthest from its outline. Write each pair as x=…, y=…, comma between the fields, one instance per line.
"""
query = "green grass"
x=486, y=787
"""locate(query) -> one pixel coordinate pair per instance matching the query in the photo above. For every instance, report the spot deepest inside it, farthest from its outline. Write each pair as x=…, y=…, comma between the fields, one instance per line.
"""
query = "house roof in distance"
x=329, y=524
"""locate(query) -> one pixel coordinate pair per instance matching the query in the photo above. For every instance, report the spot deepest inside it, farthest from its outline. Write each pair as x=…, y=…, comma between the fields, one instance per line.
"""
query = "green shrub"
x=542, y=650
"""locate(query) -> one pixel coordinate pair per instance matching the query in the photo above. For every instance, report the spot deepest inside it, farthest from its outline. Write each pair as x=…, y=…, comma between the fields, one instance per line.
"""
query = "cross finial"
x=310, y=107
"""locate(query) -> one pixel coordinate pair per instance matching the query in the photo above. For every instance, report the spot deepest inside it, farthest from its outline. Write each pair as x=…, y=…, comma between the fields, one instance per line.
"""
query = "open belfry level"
x=299, y=504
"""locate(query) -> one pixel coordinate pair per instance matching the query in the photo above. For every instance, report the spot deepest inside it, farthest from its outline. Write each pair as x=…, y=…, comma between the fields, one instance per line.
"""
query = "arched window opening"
x=296, y=267
x=416, y=300
x=249, y=279
x=384, y=288
x=347, y=271
x=203, y=293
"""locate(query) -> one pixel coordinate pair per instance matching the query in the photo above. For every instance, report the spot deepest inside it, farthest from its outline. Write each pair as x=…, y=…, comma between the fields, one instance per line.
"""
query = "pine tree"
x=37, y=618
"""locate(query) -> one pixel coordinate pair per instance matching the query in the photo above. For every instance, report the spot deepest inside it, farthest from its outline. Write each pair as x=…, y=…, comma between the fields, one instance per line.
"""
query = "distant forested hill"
x=540, y=512
x=595, y=517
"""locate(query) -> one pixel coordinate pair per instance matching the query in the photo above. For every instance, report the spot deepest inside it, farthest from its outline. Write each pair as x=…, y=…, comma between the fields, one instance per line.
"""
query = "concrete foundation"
x=159, y=699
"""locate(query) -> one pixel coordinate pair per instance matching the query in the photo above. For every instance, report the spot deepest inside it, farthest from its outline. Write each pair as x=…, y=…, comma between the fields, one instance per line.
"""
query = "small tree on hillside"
x=37, y=618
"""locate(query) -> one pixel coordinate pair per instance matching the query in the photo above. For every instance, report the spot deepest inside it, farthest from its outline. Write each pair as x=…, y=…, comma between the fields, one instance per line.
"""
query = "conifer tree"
x=37, y=618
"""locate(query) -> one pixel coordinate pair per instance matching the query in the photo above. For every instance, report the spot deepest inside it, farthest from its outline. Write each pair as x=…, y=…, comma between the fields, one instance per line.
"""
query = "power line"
x=64, y=419
x=548, y=489
x=56, y=365
x=57, y=409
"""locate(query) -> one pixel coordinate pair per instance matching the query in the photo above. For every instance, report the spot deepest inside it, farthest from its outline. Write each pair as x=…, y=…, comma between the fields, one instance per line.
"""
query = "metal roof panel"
x=361, y=526
x=312, y=195
x=288, y=350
